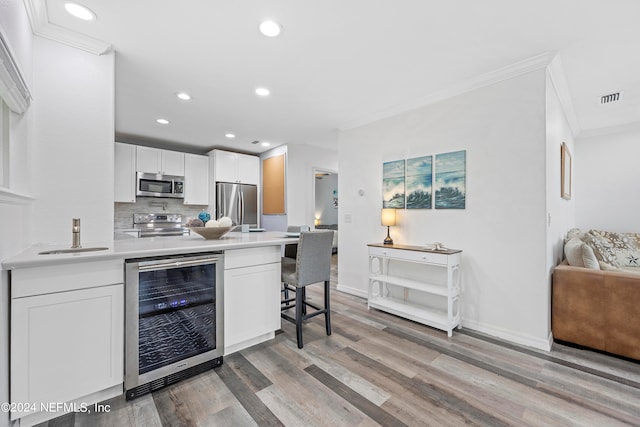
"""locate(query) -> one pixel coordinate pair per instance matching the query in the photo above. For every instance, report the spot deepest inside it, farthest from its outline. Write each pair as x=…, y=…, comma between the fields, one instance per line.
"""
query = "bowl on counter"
x=210, y=233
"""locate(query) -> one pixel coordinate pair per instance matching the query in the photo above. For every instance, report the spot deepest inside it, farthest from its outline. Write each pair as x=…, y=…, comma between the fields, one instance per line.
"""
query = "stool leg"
x=299, y=306
x=327, y=314
x=304, y=300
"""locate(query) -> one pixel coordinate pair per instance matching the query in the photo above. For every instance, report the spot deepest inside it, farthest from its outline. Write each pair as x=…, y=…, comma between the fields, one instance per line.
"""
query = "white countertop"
x=144, y=247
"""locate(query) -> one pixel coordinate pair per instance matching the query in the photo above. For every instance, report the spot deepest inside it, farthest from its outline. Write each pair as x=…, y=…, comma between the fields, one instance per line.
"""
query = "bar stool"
x=313, y=265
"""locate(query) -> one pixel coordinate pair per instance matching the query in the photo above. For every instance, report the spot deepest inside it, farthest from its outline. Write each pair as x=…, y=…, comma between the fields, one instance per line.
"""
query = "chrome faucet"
x=75, y=233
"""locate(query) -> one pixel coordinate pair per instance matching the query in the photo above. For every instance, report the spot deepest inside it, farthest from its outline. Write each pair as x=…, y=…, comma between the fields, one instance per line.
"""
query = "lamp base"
x=388, y=240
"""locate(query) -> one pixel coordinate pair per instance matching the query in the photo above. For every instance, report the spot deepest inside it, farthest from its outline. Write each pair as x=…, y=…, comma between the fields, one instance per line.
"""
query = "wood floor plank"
x=247, y=398
x=381, y=416
x=141, y=411
x=245, y=370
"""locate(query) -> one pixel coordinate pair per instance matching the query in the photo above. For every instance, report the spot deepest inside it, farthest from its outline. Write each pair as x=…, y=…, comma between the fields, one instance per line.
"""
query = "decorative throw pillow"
x=606, y=244
x=573, y=252
x=589, y=258
x=628, y=258
x=574, y=232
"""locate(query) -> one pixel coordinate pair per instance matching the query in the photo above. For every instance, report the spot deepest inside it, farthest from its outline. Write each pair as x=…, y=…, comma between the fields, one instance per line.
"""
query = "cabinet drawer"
x=58, y=278
x=407, y=255
x=236, y=258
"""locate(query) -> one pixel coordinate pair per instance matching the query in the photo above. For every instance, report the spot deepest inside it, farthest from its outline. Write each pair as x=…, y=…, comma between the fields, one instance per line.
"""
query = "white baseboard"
x=353, y=291
x=514, y=337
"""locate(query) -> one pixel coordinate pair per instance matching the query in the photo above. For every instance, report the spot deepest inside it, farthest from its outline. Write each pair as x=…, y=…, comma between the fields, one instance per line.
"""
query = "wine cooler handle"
x=177, y=264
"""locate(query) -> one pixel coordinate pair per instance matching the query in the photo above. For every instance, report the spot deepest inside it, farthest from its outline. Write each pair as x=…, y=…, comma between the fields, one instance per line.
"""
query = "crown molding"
x=13, y=88
x=559, y=82
x=610, y=130
x=514, y=70
x=40, y=25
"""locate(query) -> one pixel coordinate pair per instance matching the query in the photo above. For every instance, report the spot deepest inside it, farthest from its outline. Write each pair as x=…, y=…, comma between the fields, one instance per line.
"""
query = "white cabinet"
x=155, y=160
x=248, y=169
x=235, y=167
x=251, y=296
x=196, y=179
x=67, y=335
x=125, y=173
x=416, y=283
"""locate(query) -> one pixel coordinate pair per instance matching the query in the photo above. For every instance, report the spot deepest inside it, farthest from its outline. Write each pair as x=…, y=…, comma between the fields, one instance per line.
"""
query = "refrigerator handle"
x=241, y=211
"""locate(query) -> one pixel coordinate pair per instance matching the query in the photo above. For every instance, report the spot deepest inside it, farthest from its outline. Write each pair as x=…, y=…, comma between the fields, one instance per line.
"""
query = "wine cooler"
x=173, y=319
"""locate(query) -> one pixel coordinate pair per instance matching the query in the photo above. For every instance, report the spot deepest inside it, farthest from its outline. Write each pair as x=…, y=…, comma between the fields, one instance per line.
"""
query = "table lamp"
x=388, y=218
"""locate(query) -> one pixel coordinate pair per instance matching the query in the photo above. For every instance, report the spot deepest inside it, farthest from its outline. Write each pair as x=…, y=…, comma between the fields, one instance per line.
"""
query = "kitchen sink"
x=71, y=251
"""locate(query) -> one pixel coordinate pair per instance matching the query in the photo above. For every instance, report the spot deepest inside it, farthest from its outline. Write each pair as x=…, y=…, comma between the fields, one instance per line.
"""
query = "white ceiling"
x=340, y=62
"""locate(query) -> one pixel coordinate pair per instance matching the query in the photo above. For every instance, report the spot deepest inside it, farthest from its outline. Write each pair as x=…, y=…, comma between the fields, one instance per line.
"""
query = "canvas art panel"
x=393, y=190
x=450, y=191
x=419, y=182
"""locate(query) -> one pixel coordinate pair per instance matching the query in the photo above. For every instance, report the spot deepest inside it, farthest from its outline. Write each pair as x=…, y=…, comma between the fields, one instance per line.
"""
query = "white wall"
x=301, y=163
x=15, y=211
x=606, y=176
x=502, y=231
x=324, y=208
x=560, y=212
x=73, y=138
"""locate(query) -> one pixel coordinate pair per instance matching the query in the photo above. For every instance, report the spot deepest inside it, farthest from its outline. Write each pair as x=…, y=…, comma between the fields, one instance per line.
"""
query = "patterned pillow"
x=606, y=245
x=628, y=258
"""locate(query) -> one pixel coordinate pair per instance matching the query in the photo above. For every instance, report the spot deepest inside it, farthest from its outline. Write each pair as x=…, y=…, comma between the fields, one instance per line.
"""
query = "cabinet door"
x=226, y=166
x=66, y=345
x=248, y=169
x=196, y=179
x=125, y=173
x=148, y=160
x=172, y=163
x=251, y=303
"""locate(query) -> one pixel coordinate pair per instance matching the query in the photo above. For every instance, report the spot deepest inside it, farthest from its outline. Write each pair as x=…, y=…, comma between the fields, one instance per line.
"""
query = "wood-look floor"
x=378, y=369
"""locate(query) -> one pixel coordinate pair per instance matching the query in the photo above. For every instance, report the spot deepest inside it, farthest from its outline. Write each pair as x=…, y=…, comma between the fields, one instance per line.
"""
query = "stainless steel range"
x=152, y=225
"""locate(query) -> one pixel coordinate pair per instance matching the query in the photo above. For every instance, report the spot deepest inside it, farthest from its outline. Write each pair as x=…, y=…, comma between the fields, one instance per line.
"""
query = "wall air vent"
x=612, y=97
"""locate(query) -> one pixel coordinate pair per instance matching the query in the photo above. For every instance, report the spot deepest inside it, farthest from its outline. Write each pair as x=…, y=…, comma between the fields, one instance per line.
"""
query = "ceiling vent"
x=612, y=97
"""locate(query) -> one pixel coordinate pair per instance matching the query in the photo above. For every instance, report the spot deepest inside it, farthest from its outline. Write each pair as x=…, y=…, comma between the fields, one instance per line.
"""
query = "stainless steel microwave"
x=158, y=185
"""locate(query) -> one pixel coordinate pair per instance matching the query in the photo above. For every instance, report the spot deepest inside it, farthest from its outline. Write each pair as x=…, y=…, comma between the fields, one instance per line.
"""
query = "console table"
x=416, y=283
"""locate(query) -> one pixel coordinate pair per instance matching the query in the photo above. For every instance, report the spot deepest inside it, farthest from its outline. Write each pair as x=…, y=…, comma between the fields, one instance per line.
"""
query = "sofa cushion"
x=573, y=252
x=589, y=258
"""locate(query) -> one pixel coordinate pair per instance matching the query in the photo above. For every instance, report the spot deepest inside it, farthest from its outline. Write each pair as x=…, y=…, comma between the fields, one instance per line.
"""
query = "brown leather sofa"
x=597, y=308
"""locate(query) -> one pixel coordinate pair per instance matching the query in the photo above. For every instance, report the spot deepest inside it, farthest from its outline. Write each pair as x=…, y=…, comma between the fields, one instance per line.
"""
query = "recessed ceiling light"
x=80, y=11
x=183, y=95
x=230, y=135
x=163, y=121
x=265, y=144
x=270, y=28
x=262, y=91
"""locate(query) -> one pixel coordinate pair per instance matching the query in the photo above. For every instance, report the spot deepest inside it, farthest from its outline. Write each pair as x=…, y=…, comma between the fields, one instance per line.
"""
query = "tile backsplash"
x=123, y=212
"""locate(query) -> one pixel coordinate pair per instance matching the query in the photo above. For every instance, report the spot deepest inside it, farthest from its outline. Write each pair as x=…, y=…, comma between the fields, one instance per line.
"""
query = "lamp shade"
x=388, y=217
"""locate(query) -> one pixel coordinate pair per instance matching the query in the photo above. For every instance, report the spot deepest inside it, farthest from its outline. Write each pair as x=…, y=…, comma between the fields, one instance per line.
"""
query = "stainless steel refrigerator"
x=237, y=201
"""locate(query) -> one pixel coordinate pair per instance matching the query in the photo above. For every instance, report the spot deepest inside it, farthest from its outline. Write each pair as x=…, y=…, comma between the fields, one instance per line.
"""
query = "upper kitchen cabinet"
x=154, y=160
x=196, y=179
x=235, y=167
x=125, y=173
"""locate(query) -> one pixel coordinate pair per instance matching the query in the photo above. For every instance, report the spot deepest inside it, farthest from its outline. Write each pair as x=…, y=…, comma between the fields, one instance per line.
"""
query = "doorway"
x=326, y=202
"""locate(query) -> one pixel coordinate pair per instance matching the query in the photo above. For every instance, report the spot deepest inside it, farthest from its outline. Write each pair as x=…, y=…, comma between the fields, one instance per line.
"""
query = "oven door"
x=174, y=316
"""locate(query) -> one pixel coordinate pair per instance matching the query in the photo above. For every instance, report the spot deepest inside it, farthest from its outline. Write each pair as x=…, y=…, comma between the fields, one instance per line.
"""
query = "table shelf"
x=445, y=313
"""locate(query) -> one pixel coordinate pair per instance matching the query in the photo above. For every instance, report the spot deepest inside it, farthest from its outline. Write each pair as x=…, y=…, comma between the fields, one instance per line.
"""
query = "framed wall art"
x=419, y=182
x=393, y=191
x=451, y=175
x=565, y=172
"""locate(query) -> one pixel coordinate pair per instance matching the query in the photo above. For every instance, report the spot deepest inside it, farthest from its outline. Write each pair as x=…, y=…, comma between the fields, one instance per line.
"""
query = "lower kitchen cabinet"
x=67, y=338
x=251, y=296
